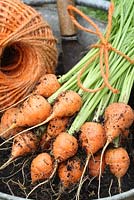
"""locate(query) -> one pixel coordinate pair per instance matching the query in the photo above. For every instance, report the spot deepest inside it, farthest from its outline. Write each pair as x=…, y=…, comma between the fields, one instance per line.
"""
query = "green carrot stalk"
x=121, y=72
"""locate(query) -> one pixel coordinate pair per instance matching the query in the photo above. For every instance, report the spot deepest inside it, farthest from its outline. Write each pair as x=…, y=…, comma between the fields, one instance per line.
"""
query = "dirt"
x=15, y=179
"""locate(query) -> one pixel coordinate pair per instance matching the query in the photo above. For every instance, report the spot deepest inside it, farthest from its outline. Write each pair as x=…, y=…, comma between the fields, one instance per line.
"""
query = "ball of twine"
x=27, y=50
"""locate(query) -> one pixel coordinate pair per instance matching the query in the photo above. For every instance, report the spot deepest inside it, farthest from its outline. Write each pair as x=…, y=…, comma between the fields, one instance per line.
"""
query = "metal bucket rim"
x=121, y=196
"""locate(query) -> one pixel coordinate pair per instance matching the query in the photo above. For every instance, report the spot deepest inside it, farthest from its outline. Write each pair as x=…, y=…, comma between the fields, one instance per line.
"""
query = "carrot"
x=92, y=138
x=118, y=161
x=54, y=128
x=117, y=118
x=94, y=165
x=22, y=145
x=41, y=167
x=57, y=125
x=70, y=171
x=9, y=116
x=47, y=85
x=64, y=147
x=33, y=111
x=7, y=120
x=45, y=142
x=66, y=105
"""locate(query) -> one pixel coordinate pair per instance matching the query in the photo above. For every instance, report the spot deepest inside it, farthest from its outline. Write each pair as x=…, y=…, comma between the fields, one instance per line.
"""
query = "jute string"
x=104, y=47
x=23, y=31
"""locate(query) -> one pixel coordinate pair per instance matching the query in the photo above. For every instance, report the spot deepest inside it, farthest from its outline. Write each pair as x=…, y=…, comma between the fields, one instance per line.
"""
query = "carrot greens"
x=121, y=72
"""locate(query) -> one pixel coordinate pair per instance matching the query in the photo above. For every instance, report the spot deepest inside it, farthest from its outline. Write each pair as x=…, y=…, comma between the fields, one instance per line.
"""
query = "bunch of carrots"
x=67, y=105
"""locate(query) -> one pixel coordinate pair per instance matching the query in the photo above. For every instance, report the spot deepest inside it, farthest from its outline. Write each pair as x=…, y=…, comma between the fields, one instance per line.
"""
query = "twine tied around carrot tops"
x=104, y=48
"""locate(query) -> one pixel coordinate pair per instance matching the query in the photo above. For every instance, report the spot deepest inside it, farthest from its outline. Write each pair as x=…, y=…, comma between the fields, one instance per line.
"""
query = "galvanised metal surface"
x=129, y=195
x=99, y=4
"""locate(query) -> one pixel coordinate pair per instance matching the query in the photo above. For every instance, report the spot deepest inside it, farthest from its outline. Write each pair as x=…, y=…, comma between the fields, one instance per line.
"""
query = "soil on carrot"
x=16, y=180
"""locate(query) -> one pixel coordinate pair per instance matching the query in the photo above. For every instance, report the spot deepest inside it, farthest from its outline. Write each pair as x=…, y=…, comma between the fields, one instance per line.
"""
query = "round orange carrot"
x=118, y=117
x=66, y=104
x=41, y=167
x=56, y=126
x=47, y=85
x=70, y=171
x=94, y=165
x=92, y=137
x=118, y=161
x=33, y=111
x=22, y=145
x=64, y=147
x=8, y=120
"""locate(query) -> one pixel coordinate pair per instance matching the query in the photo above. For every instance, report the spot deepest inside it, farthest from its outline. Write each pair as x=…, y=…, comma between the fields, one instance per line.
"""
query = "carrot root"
x=28, y=129
x=46, y=181
x=101, y=159
x=8, y=162
x=15, y=104
x=119, y=185
x=81, y=179
x=70, y=172
x=8, y=129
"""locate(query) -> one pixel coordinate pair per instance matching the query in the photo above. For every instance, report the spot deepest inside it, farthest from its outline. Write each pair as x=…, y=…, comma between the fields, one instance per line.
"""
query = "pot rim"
x=121, y=196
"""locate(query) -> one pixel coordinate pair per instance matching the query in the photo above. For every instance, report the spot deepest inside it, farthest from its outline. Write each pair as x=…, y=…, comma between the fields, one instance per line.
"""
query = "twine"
x=104, y=47
x=24, y=30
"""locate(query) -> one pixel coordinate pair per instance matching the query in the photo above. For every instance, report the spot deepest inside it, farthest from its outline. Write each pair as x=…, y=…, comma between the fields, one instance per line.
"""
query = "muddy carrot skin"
x=57, y=125
x=70, y=172
x=22, y=145
x=41, y=167
x=54, y=128
x=92, y=137
x=33, y=111
x=94, y=165
x=118, y=161
x=47, y=85
x=7, y=120
x=64, y=147
x=118, y=117
x=67, y=104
